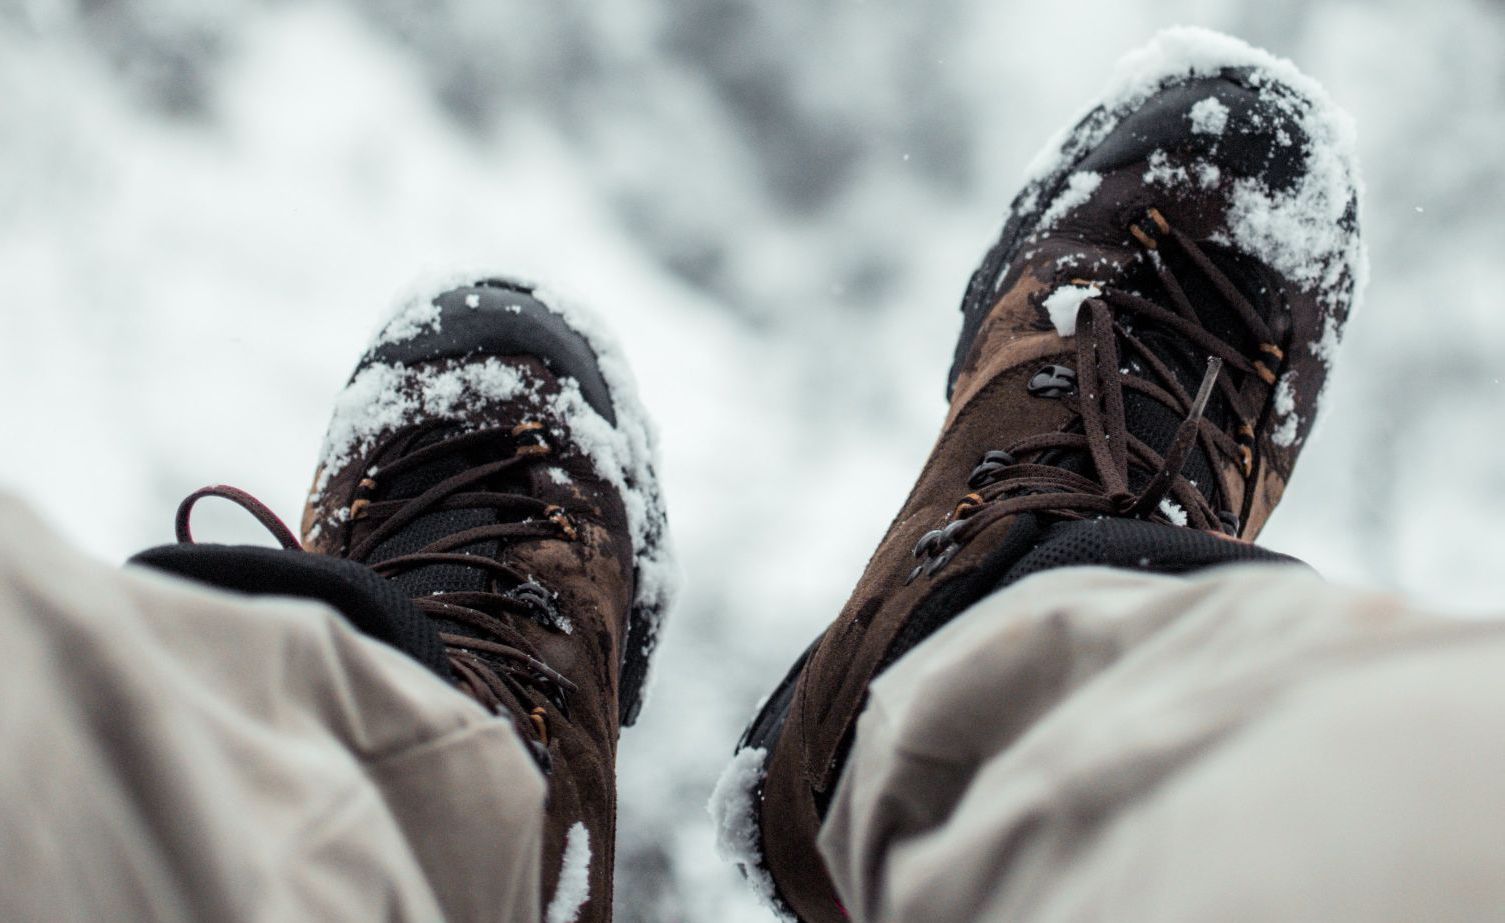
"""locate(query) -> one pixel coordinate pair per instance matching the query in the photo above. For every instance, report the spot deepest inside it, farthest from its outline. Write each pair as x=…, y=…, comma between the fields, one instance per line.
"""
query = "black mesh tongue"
x=430, y=527
x=1154, y=423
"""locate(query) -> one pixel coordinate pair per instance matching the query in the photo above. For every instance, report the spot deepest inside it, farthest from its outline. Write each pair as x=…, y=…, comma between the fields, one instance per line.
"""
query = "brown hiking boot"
x=1140, y=363
x=489, y=460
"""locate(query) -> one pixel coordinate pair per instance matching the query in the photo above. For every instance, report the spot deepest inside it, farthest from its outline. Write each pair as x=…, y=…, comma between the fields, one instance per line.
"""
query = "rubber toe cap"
x=1256, y=139
x=496, y=317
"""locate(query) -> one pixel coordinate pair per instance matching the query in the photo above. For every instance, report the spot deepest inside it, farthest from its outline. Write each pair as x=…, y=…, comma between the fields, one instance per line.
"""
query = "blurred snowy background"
x=206, y=206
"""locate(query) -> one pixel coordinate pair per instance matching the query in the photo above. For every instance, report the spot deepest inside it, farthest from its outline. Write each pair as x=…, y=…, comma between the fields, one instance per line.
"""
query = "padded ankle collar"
x=369, y=602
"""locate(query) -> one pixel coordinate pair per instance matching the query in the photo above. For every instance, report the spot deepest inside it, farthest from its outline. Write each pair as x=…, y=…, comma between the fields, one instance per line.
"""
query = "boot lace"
x=494, y=662
x=1003, y=485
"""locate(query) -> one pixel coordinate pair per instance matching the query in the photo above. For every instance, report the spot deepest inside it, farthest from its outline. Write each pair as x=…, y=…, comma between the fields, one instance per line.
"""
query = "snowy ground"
x=204, y=209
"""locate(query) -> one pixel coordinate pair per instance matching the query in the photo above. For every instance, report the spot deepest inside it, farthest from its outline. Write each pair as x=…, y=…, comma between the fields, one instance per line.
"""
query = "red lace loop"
x=245, y=501
x=497, y=665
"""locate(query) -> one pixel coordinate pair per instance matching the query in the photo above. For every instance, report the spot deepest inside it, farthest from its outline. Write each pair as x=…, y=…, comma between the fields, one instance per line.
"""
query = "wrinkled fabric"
x=177, y=753
x=1247, y=744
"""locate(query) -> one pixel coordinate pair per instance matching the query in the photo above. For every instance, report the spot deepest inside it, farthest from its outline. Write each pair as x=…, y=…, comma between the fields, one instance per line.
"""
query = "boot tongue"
x=433, y=526
x=1154, y=423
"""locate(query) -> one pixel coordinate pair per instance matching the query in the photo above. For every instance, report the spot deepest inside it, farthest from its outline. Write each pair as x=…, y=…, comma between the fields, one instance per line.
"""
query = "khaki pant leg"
x=174, y=753
x=1247, y=744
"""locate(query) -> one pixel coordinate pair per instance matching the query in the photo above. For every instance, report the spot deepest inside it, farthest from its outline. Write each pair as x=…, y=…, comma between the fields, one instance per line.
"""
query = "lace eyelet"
x=560, y=517
x=941, y=560
x=968, y=505
x=927, y=543
x=539, y=718
x=1145, y=229
x=987, y=470
x=534, y=596
x=533, y=430
x=1052, y=382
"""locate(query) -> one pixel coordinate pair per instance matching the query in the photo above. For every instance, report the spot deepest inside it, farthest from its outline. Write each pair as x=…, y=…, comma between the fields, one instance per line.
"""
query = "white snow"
x=735, y=816
x=1063, y=303
x=1209, y=117
x=1160, y=170
x=382, y=397
x=1079, y=188
x=1285, y=395
x=574, y=887
x=1284, y=435
x=1284, y=405
x=414, y=315
x=1173, y=511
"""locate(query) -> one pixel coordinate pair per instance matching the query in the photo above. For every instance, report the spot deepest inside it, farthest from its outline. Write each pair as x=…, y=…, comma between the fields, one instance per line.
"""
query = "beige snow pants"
x=169, y=753
x=1251, y=744
x=1248, y=744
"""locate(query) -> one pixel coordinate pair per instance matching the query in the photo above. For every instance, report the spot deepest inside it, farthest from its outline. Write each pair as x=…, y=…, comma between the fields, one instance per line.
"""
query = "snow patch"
x=1209, y=117
x=1079, y=188
x=1284, y=403
x=1173, y=511
x=1300, y=231
x=559, y=476
x=1284, y=435
x=1162, y=172
x=1063, y=303
x=413, y=316
x=733, y=809
x=574, y=887
x=1285, y=395
x=381, y=398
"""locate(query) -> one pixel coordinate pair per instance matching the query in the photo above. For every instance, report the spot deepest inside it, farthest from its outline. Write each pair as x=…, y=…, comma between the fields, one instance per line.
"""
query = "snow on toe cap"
x=1308, y=233
x=382, y=397
x=1184, y=52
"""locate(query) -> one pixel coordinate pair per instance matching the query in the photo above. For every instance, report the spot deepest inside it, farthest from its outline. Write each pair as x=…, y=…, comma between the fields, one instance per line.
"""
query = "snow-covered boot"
x=1140, y=363
x=488, y=458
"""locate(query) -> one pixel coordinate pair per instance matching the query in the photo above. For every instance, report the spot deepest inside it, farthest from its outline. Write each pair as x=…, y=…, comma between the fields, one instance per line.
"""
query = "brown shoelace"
x=1003, y=486
x=498, y=664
